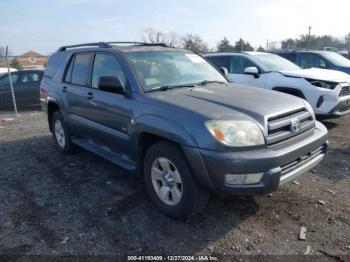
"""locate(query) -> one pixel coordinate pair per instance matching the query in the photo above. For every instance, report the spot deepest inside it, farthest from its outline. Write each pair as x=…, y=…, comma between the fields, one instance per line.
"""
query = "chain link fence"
x=19, y=90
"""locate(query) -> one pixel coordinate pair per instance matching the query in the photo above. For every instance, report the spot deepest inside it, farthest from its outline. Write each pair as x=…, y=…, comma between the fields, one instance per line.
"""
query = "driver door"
x=109, y=112
x=238, y=63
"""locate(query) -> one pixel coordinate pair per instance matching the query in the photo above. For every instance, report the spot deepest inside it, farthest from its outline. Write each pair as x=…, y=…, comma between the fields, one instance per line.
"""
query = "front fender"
x=162, y=127
x=175, y=132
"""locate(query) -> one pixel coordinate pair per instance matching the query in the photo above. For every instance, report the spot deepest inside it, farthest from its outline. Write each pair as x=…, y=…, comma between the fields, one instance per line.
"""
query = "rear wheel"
x=61, y=134
x=170, y=182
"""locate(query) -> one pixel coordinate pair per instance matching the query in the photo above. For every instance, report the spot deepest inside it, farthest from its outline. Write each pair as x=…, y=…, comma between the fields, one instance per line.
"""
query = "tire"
x=61, y=135
x=192, y=198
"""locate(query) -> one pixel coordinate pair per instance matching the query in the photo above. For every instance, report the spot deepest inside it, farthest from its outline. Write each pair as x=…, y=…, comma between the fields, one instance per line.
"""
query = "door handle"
x=90, y=95
x=64, y=89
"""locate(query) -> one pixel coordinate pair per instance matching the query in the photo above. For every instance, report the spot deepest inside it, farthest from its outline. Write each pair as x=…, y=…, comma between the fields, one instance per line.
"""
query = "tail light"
x=43, y=93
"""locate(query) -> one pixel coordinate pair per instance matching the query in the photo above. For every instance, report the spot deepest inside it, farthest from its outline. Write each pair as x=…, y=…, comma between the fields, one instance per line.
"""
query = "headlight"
x=236, y=133
x=309, y=107
x=322, y=84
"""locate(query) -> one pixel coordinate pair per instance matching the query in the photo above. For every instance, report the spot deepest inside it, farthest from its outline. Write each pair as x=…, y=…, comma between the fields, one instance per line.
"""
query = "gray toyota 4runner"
x=170, y=116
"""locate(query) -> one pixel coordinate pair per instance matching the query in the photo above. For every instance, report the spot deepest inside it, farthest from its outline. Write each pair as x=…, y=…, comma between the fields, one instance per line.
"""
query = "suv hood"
x=319, y=74
x=230, y=101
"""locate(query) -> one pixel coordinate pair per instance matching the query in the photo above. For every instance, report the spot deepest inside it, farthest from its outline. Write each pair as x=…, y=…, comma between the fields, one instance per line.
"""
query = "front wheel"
x=170, y=182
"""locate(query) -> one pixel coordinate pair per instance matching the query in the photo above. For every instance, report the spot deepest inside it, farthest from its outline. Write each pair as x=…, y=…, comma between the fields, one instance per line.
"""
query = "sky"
x=45, y=25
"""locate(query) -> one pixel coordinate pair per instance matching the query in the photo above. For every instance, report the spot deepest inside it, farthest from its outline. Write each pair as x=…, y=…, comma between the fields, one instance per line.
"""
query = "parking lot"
x=83, y=204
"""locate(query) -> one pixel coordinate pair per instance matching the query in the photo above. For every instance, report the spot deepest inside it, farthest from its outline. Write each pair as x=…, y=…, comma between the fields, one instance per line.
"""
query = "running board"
x=105, y=153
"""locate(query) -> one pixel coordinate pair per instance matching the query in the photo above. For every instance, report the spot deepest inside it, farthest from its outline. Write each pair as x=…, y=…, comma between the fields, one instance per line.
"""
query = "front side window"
x=155, y=69
x=106, y=65
x=220, y=61
x=239, y=64
x=306, y=60
x=30, y=77
x=319, y=62
x=80, y=70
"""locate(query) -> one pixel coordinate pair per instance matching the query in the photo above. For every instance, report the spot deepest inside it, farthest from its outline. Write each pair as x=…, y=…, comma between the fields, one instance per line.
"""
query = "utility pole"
x=267, y=45
x=11, y=84
x=309, y=38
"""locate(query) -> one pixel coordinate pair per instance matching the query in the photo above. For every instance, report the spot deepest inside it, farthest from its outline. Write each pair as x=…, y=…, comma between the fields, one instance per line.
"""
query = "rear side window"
x=290, y=56
x=80, y=71
x=30, y=77
x=53, y=64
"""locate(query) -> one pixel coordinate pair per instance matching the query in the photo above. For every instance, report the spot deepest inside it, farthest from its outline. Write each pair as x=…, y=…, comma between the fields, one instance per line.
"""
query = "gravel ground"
x=84, y=205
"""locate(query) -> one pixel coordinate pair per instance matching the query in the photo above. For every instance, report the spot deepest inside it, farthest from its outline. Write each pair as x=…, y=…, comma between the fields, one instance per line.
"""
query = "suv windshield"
x=156, y=69
x=336, y=59
x=275, y=63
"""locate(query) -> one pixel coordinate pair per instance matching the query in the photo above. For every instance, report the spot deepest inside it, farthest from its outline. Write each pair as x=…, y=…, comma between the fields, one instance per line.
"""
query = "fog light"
x=234, y=179
x=240, y=179
x=253, y=178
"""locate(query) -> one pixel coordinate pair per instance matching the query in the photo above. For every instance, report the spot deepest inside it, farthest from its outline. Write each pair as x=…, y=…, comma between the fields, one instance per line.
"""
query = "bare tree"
x=173, y=39
x=194, y=43
x=151, y=35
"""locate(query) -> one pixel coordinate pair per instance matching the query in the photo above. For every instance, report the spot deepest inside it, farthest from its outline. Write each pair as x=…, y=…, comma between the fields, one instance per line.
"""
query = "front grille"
x=285, y=126
x=302, y=161
x=345, y=91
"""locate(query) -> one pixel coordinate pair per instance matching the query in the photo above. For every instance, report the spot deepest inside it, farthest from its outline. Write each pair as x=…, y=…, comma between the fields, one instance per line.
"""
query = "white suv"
x=327, y=91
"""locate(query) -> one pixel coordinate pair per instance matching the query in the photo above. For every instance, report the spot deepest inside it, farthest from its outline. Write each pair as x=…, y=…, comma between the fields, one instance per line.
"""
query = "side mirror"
x=224, y=71
x=323, y=65
x=252, y=71
x=110, y=84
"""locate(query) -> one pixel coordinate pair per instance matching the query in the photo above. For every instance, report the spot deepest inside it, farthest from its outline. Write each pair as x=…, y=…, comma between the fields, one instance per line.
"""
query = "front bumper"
x=280, y=163
x=342, y=108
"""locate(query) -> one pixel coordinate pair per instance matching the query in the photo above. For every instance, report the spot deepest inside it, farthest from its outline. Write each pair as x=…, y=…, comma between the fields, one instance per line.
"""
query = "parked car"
x=26, y=85
x=4, y=70
x=318, y=59
x=327, y=91
x=331, y=49
x=170, y=116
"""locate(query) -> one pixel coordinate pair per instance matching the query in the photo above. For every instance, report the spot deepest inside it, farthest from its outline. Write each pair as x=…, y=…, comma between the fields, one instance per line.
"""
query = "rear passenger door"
x=74, y=91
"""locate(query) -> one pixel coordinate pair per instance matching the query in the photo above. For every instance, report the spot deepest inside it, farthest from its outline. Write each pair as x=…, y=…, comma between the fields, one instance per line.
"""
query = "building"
x=29, y=60
x=32, y=60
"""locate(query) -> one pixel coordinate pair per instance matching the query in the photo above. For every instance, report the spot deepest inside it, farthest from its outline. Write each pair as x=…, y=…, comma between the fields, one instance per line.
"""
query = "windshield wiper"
x=205, y=82
x=167, y=87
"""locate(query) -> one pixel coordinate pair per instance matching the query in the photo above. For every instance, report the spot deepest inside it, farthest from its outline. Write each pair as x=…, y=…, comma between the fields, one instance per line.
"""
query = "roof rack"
x=108, y=44
x=98, y=44
x=138, y=43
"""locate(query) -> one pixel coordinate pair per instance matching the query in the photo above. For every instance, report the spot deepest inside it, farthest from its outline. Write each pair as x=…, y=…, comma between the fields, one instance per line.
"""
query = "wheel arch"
x=149, y=130
x=52, y=106
x=290, y=91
